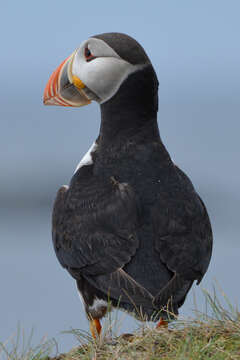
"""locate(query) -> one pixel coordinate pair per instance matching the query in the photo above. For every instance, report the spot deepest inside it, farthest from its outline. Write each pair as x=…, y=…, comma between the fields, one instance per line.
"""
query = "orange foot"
x=95, y=327
x=161, y=323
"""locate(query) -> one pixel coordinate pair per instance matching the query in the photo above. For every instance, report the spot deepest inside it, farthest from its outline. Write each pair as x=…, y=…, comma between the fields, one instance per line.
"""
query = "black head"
x=126, y=47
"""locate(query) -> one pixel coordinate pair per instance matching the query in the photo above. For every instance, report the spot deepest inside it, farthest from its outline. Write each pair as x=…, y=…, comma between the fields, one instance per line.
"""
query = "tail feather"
x=123, y=288
x=174, y=292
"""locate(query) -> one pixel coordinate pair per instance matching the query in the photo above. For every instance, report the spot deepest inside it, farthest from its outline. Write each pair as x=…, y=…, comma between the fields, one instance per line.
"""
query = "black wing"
x=94, y=225
x=94, y=235
x=183, y=239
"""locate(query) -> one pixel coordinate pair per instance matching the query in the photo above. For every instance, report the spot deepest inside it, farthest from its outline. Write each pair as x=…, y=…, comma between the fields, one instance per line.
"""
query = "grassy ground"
x=214, y=336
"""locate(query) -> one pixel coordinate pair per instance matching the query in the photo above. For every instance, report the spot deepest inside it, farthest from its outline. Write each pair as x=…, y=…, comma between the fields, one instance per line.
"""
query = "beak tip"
x=45, y=101
x=49, y=101
x=46, y=95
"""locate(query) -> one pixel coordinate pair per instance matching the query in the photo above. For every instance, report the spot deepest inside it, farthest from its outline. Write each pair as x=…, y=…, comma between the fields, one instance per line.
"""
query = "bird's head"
x=96, y=70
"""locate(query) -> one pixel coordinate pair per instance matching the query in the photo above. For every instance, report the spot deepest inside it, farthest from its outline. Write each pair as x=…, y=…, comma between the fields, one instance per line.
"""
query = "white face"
x=104, y=73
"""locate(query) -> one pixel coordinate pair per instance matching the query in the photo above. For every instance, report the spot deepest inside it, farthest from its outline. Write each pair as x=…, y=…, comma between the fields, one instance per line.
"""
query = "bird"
x=130, y=227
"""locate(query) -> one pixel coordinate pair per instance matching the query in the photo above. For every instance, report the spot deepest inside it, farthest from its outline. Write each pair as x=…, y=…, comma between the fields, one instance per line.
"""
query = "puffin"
x=129, y=228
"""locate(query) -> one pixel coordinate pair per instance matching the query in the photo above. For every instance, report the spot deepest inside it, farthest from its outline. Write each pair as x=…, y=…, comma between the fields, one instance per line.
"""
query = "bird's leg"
x=161, y=323
x=95, y=327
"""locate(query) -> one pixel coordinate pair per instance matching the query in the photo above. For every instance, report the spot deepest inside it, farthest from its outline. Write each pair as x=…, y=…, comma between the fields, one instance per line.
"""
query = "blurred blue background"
x=194, y=47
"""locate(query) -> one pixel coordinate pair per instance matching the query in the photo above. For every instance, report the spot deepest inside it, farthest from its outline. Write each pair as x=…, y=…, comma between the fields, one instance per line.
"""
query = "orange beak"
x=63, y=89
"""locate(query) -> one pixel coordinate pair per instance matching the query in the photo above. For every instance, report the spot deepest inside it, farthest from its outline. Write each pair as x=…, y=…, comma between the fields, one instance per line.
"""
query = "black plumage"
x=130, y=228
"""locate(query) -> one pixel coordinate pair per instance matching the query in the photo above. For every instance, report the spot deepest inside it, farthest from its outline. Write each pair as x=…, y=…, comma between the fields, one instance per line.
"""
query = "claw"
x=161, y=323
x=95, y=328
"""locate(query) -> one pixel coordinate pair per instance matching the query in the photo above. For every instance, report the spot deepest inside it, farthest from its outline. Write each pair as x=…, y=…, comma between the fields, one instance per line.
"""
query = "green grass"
x=20, y=347
x=214, y=334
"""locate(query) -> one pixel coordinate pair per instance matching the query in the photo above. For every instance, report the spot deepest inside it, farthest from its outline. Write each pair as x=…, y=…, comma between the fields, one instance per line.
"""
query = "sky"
x=194, y=48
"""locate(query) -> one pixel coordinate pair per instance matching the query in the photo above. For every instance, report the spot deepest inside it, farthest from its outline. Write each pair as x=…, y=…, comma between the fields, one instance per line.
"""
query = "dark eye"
x=88, y=55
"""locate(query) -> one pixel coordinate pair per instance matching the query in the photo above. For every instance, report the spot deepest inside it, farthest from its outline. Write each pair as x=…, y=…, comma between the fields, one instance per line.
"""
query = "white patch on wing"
x=87, y=158
x=98, y=303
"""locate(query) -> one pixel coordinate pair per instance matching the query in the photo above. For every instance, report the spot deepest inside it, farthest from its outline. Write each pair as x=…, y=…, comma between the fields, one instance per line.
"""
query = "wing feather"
x=94, y=225
x=183, y=234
